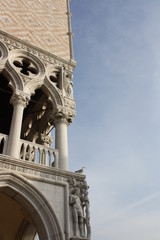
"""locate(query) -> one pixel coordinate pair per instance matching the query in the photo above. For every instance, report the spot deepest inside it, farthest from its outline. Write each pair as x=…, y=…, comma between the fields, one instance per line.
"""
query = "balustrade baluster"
x=23, y=151
x=40, y=156
x=50, y=158
x=36, y=153
x=55, y=154
x=5, y=145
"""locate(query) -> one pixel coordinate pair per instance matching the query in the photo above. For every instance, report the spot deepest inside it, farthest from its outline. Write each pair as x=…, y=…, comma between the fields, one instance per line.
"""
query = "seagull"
x=80, y=170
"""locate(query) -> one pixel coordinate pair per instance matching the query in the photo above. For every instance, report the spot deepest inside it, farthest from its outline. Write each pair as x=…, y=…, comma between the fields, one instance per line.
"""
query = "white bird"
x=80, y=170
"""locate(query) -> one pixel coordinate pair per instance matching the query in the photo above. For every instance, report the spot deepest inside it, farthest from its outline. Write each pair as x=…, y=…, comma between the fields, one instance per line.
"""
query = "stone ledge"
x=36, y=171
x=79, y=238
x=15, y=43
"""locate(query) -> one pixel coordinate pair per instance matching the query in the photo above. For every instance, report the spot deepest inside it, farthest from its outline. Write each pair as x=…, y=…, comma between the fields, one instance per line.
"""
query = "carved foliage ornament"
x=20, y=98
x=63, y=115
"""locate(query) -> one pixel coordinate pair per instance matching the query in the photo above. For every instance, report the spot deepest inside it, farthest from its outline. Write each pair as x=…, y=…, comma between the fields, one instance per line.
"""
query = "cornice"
x=16, y=43
x=36, y=171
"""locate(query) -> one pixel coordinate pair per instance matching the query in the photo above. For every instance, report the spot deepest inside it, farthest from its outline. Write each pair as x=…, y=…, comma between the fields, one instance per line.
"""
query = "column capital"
x=63, y=116
x=20, y=98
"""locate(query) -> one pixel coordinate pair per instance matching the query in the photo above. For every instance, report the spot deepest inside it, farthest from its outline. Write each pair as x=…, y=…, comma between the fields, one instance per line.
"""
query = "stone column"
x=61, y=142
x=19, y=101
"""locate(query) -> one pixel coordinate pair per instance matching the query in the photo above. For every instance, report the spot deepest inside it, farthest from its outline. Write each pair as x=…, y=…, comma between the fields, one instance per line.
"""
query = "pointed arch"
x=3, y=55
x=13, y=77
x=48, y=88
x=23, y=192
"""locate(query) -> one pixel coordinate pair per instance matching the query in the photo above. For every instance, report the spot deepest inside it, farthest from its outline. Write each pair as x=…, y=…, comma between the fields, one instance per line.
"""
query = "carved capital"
x=20, y=98
x=62, y=115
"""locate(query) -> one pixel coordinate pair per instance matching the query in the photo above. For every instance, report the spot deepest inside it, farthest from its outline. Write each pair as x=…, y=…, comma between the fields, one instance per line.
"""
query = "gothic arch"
x=14, y=79
x=6, y=68
x=44, y=82
x=53, y=83
x=48, y=88
x=21, y=68
x=3, y=55
x=13, y=62
x=41, y=213
x=54, y=95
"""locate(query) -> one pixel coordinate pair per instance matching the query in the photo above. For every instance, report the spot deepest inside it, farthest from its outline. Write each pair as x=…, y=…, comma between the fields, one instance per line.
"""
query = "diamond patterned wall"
x=43, y=23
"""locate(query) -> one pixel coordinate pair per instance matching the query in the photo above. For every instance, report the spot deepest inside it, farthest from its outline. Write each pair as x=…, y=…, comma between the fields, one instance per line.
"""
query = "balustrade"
x=3, y=143
x=39, y=154
x=32, y=152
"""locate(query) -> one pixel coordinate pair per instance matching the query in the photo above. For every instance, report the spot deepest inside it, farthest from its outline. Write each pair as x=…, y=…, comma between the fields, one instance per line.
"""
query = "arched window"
x=6, y=108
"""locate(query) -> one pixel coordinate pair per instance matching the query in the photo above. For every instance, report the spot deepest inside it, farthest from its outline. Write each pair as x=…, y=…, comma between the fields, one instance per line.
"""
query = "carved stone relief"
x=27, y=65
x=26, y=72
x=63, y=114
x=14, y=43
x=80, y=208
x=68, y=84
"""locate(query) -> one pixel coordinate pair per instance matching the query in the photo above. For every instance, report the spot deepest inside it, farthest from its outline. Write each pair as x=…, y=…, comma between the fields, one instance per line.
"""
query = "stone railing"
x=32, y=152
x=3, y=143
x=39, y=154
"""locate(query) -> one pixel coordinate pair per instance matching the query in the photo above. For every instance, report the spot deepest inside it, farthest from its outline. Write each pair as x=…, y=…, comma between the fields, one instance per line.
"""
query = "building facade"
x=40, y=198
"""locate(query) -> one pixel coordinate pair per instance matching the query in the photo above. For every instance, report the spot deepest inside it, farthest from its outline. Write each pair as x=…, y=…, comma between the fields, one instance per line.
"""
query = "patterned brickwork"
x=43, y=23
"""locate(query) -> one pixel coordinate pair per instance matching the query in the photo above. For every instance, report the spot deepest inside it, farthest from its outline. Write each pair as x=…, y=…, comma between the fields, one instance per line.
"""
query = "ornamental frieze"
x=13, y=43
x=31, y=172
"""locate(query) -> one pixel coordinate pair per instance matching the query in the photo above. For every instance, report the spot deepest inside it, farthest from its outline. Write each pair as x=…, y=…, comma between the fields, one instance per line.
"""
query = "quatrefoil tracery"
x=54, y=78
x=26, y=67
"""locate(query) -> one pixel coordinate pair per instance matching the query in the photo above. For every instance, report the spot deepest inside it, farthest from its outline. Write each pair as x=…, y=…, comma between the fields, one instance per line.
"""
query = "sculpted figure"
x=87, y=217
x=77, y=212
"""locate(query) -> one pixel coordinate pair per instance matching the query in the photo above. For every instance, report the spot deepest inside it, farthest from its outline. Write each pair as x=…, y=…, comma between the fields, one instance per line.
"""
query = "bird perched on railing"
x=80, y=170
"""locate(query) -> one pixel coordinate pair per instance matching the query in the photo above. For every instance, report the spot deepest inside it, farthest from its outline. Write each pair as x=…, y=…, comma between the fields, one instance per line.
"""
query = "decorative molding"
x=37, y=171
x=15, y=43
x=31, y=199
x=31, y=172
x=62, y=114
x=69, y=103
x=79, y=238
x=20, y=57
x=70, y=34
x=25, y=69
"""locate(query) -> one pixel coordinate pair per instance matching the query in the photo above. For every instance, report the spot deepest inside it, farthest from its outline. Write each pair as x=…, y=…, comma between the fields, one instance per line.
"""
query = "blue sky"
x=116, y=133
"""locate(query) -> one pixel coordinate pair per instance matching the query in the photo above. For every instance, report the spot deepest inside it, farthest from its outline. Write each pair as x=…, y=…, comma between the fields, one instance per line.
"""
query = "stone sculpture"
x=79, y=202
x=87, y=216
x=77, y=211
